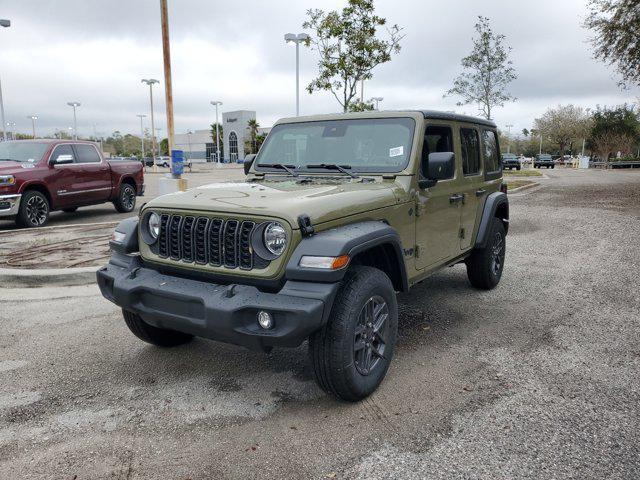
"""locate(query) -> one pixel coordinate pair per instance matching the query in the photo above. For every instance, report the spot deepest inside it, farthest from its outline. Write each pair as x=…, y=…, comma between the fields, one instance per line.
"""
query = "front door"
x=438, y=221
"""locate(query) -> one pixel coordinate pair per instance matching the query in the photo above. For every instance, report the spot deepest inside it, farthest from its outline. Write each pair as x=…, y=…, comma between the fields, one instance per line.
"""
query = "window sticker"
x=396, y=152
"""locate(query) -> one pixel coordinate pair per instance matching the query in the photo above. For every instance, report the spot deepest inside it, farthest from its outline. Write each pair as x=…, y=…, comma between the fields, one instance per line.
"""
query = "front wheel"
x=485, y=265
x=352, y=353
x=34, y=210
x=126, y=200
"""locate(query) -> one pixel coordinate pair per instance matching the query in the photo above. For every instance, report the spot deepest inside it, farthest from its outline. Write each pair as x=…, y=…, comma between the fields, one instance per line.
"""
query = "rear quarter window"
x=491, y=155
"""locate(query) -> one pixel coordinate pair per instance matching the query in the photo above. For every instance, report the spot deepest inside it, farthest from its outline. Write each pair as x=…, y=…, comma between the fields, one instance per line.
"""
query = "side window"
x=470, y=151
x=491, y=155
x=436, y=139
x=86, y=154
x=62, y=150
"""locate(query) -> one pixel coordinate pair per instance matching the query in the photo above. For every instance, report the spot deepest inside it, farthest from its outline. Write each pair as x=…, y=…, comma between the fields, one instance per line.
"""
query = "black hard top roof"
x=455, y=117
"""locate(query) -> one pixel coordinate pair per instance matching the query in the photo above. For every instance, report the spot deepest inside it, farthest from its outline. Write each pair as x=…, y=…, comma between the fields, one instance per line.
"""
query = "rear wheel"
x=484, y=266
x=154, y=335
x=126, y=200
x=34, y=210
x=352, y=353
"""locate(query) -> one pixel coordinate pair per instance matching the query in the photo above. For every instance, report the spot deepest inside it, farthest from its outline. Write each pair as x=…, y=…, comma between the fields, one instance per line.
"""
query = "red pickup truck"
x=39, y=176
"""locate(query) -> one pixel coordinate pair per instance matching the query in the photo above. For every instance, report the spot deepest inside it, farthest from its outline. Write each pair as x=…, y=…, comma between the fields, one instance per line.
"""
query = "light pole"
x=189, y=132
x=377, y=100
x=540, y=143
x=509, y=127
x=33, y=124
x=75, y=122
x=215, y=103
x=141, y=116
x=150, y=82
x=584, y=140
x=11, y=126
x=297, y=39
x=3, y=23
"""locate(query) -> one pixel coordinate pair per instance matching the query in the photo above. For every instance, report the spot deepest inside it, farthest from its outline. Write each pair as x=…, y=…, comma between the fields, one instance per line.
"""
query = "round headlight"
x=154, y=225
x=275, y=238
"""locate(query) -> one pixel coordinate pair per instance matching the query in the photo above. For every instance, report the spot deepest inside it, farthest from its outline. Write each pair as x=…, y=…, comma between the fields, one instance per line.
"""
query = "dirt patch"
x=60, y=247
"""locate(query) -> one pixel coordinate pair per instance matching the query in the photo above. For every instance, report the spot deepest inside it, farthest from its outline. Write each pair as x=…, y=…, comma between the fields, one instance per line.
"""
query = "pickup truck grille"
x=207, y=241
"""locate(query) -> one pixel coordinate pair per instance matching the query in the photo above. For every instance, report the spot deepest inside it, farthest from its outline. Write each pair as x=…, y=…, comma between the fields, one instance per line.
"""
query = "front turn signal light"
x=324, y=263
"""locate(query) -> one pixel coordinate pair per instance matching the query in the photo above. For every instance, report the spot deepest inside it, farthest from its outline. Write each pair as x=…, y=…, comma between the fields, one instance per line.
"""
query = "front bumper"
x=9, y=205
x=227, y=313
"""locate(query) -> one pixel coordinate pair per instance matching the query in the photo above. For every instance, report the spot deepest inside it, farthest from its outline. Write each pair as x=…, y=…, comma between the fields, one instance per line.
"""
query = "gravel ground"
x=538, y=378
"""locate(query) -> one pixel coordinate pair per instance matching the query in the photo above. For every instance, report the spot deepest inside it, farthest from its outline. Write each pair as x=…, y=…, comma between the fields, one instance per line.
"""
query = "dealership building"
x=199, y=145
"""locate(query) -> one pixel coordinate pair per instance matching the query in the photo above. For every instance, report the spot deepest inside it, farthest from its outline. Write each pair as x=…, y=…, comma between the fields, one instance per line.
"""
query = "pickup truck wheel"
x=154, y=335
x=126, y=200
x=484, y=266
x=352, y=353
x=34, y=210
x=69, y=210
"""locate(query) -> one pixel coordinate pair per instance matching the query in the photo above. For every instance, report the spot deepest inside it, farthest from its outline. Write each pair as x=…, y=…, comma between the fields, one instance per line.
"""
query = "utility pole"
x=141, y=116
x=166, y=55
x=509, y=127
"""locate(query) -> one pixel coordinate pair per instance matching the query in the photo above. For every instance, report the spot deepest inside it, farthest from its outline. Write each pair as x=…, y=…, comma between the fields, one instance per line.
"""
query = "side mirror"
x=248, y=161
x=440, y=166
x=62, y=160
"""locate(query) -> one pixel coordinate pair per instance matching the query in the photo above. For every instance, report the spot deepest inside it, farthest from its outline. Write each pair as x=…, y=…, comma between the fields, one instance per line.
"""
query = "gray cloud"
x=96, y=52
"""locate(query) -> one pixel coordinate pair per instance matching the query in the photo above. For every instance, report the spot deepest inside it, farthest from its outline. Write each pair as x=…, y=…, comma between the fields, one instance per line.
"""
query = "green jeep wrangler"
x=337, y=214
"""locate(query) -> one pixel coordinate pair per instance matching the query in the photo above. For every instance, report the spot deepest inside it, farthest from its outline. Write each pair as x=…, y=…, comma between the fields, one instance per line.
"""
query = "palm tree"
x=253, y=126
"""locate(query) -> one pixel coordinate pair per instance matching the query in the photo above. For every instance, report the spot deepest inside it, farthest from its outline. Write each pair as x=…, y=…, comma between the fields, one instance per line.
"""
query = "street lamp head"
x=378, y=99
x=215, y=102
x=73, y=104
x=299, y=38
x=149, y=81
x=141, y=115
x=32, y=117
x=303, y=37
x=5, y=23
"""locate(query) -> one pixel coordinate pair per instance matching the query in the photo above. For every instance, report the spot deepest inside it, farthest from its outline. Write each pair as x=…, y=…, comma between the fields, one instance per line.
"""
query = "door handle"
x=458, y=197
x=480, y=192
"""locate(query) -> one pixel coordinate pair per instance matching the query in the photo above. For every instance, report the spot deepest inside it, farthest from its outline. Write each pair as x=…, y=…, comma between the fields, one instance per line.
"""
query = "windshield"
x=364, y=145
x=28, y=152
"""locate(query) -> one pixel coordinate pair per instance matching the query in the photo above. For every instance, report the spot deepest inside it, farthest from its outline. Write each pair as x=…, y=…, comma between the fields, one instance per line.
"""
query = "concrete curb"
x=524, y=187
x=50, y=277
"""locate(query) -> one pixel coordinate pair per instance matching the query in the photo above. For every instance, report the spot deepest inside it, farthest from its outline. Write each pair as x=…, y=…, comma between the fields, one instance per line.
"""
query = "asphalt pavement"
x=538, y=378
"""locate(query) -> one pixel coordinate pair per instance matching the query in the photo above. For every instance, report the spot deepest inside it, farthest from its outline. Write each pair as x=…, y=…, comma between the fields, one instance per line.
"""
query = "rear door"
x=94, y=174
x=471, y=183
x=438, y=221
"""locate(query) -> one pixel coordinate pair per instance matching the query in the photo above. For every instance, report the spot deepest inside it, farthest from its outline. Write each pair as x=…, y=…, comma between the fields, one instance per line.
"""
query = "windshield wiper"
x=290, y=169
x=333, y=166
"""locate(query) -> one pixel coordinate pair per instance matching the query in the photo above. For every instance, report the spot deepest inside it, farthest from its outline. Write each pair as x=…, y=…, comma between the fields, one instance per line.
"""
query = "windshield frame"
x=355, y=168
x=22, y=142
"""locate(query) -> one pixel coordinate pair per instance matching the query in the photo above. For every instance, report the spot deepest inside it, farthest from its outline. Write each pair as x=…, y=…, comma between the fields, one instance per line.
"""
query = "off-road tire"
x=126, y=200
x=34, y=210
x=482, y=270
x=332, y=349
x=70, y=210
x=154, y=335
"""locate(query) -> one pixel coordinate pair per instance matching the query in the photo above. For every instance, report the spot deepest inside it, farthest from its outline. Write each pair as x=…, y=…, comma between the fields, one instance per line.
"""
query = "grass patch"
x=513, y=184
x=522, y=173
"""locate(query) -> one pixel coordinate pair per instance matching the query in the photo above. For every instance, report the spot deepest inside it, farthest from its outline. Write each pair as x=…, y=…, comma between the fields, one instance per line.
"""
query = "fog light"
x=265, y=319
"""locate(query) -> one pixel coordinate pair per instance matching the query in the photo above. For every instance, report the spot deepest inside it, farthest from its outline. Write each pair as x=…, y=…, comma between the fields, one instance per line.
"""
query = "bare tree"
x=564, y=125
x=487, y=72
x=609, y=143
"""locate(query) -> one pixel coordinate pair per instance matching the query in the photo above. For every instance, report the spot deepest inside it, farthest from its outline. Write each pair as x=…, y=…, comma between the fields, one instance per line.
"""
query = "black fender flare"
x=129, y=244
x=491, y=205
x=345, y=240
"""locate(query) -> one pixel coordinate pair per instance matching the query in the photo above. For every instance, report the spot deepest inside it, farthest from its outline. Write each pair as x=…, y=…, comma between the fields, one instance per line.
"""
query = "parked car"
x=317, y=247
x=544, y=160
x=511, y=161
x=40, y=176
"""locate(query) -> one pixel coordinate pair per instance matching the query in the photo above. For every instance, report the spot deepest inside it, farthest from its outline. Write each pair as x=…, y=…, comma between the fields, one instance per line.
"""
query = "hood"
x=321, y=200
x=12, y=168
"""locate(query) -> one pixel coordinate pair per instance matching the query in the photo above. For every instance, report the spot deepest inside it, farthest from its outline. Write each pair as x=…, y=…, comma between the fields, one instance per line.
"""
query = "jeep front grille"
x=207, y=241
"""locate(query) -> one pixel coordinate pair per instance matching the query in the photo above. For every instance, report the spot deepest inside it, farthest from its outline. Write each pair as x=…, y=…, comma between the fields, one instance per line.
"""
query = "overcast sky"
x=96, y=52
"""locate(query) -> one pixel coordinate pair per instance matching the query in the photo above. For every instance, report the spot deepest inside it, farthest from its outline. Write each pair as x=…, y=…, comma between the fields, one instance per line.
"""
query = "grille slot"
x=201, y=240
x=163, y=249
x=215, y=245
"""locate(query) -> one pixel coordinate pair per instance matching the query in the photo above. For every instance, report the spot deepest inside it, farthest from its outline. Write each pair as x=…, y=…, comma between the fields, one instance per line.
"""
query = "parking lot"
x=539, y=378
